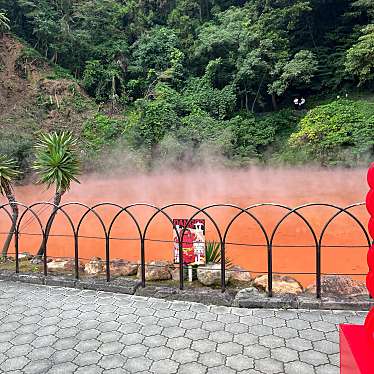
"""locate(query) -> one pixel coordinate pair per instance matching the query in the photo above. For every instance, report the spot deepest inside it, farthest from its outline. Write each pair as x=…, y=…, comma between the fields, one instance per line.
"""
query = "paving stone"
x=332, y=336
x=63, y=368
x=135, y=350
x=110, y=348
x=65, y=343
x=327, y=369
x=19, y=350
x=236, y=327
x=150, y=330
x=14, y=363
x=134, y=365
x=298, y=324
x=87, y=358
x=270, y=341
x=298, y=367
x=269, y=366
x=299, y=344
x=256, y=351
x=312, y=335
x=91, y=369
x=261, y=330
x=246, y=339
x=88, y=345
x=323, y=326
x=133, y=338
x=164, y=367
x=196, y=334
x=284, y=354
x=169, y=322
x=23, y=339
x=314, y=358
x=229, y=348
x=37, y=367
x=178, y=343
x=159, y=353
x=210, y=359
x=324, y=346
x=192, y=368
x=88, y=334
x=66, y=355
x=203, y=346
x=112, y=361
x=240, y=362
x=334, y=359
x=41, y=353
x=274, y=322
x=213, y=326
x=221, y=336
x=190, y=324
x=185, y=355
x=154, y=340
x=221, y=370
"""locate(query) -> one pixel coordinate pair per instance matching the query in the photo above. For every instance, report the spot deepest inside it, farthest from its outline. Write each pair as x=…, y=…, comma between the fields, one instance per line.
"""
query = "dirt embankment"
x=33, y=97
x=13, y=89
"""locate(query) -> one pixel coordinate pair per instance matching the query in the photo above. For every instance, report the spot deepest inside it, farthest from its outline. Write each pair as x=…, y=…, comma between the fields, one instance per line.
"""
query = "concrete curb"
x=206, y=296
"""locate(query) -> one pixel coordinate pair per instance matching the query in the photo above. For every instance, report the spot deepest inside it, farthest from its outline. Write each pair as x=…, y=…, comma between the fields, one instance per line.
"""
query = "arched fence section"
x=142, y=228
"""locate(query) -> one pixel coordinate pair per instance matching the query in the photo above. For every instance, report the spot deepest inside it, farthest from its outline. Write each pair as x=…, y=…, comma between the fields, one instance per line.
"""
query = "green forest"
x=183, y=82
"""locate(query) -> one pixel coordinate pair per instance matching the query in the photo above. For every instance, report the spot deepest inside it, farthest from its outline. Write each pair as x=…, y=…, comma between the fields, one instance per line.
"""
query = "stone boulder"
x=95, y=266
x=24, y=256
x=156, y=270
x=239, y=274
x=281, y=284
x=339, y=285
x=122, y=267
x=210, y=275
x=62, y=264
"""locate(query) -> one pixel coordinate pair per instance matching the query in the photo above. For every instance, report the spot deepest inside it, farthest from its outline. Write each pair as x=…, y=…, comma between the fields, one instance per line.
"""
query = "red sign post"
x=357, y=342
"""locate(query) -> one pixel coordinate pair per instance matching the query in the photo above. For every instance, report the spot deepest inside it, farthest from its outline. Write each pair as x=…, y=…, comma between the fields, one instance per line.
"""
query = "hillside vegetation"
x=179, y=82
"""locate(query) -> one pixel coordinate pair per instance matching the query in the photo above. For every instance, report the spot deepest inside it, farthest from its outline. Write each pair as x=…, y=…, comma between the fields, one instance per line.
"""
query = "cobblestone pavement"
x=61, y=330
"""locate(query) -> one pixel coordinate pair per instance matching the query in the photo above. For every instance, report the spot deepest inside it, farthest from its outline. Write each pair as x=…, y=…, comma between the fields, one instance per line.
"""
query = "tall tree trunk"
x=56, y=202
x=15, y=211
x=274, y=101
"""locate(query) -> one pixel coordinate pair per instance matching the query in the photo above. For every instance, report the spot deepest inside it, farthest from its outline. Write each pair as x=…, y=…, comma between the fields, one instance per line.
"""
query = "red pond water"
x=290, y=187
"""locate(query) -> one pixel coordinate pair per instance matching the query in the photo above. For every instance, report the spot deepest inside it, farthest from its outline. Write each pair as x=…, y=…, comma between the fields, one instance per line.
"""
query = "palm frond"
x=8, y=172
x=57, y=161
x=4, y=22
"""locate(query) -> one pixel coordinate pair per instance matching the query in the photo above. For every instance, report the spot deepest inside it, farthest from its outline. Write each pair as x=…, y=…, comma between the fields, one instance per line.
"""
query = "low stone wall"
x=245, y=298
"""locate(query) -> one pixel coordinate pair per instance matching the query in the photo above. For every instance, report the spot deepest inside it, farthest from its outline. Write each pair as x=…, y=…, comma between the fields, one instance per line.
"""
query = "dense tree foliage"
x=187, y=75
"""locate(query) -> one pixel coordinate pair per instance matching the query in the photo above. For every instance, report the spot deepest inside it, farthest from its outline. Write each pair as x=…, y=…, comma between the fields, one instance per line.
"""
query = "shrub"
x=339, y=132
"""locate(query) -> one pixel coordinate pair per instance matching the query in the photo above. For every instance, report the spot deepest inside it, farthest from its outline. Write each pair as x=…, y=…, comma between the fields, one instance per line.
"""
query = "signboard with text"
x=193, y=241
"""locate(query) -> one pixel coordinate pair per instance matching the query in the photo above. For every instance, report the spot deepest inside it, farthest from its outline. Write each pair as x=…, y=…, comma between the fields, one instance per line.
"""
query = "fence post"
x=16, y=244
x=76, y=254
x=181, y=268
x=223, y=267
x=318, y=271
x=45, y=256
x=107, y=259
x=142, y=260
x=270, y=270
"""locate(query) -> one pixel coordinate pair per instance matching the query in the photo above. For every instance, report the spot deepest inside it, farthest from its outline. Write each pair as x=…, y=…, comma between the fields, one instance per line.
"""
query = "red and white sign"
x=193, y=241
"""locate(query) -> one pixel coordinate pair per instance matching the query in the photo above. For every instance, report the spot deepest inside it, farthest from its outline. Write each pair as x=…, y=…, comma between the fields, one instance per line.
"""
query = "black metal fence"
x=143, y=230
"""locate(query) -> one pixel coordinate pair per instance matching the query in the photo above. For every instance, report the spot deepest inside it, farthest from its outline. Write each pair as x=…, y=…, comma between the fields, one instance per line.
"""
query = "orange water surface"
x=291, y=187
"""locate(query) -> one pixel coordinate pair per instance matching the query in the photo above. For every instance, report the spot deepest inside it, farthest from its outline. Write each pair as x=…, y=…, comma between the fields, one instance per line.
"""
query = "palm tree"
x=4, y=22
x=8, y=172
x=57, y=165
